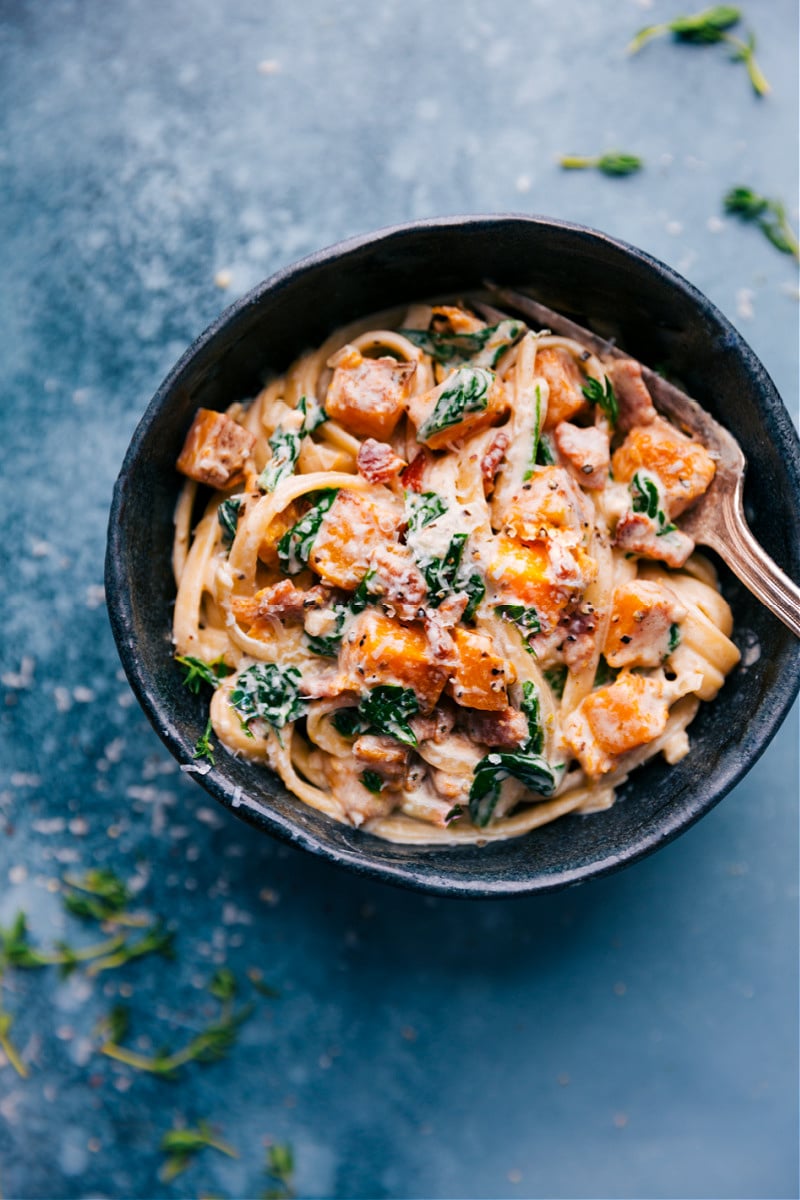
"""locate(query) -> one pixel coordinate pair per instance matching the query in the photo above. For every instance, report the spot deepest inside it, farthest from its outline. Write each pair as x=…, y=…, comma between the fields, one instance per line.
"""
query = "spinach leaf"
x=314, y=414
x=440, y=573
x=270, y=693
x=450, y=347
x=531, y=769
x=556, y=677
x=466, y=391
x=475, y=589
x=329, y=645
x=228, y=517
x=646, y=498
x=386, y=708
x=532, y=709
x=348, y=722
x=295, y=545
x=603, y=397
x=544, y=452
x=372, y=781
x=422, y=508
x=526, y=618
x=537, y=432
x=674, y=638
x=285, y=448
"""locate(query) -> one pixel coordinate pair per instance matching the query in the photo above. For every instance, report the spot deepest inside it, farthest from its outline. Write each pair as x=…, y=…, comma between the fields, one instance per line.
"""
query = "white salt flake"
x=21, y=679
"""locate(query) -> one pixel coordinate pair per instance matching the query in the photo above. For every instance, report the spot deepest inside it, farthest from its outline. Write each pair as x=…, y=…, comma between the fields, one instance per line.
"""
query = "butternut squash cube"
x=479, y=680
x=379, y=650
x=368, y=395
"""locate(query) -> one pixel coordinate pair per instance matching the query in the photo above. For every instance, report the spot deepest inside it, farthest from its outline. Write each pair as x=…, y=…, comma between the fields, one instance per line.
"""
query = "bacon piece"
x=586, y=451
x=411, y=478
x=382, y=754
x=440, y=641
x=216, y=450
x=635, y=404
x=636, y=533
x=493, y=457
x=578, y=646
x=403, y=587
x=279, y=600
x=642, y=616
x=377, y=462
x=368, y=395
x=435, y=727
x=565, y=382
x=507, y=728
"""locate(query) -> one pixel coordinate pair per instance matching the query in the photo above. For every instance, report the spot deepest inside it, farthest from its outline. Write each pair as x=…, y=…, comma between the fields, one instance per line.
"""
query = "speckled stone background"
x=636, y=1037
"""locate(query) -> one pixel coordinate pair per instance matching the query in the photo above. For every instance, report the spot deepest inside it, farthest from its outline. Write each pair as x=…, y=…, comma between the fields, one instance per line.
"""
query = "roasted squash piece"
x=641, y=630
x=615, y=719
x=368, y=395
x=565, y=381
x=549, y=504
x=216, y=450
x=379, y=650
x=684, y=467
x=350, y=533
x=479, y=680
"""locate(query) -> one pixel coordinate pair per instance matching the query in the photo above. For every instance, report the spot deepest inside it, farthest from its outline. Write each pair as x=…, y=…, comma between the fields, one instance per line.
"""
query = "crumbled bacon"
x=439, y=638
x=377, y=462
x=579, y=644
x=403, y=587
x=586, y=451
x=507, y=728
x=279, y=600
x=411, y=477
x=382, y=754
x=434, y=727
x=493, y=457
x=216, y=449
x=635, y=404
x=637, y=533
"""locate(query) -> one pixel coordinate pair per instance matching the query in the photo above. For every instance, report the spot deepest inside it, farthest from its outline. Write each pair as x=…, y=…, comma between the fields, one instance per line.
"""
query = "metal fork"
x=717, y=519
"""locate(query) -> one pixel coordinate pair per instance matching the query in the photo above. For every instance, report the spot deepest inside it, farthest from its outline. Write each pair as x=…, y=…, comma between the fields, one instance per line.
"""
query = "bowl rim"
x=407, y=874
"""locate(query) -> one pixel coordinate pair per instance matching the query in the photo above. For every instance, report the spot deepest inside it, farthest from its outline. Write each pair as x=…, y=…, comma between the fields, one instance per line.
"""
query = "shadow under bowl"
x=612, y=287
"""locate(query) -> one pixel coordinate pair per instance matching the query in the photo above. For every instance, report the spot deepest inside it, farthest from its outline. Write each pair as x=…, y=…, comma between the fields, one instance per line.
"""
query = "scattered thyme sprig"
x=768, y=215
x=706, y=29
x=197, y=672
x=204, y=747
x=210, y=1045
x=181, y=1145
x=613, y=162
x=100, y=895
x=280, y=1168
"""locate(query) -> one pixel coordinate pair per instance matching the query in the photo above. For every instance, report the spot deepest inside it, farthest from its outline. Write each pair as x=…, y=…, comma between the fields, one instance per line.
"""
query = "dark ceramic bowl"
x=656, y=316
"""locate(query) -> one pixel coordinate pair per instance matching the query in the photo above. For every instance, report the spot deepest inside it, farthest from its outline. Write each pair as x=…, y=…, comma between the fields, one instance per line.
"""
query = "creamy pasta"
x=437, y=584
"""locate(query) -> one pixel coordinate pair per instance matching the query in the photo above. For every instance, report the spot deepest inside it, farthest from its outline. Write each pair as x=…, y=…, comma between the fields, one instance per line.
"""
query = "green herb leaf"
x=280, y=1167
x=372, y=781
x=768, y=215
x=223, y=984
x=613, y=162
x=103, y=883
x=703, y=28
x=285, y=447
x=295, y=545
x=228, y=517
x=475, y=589
x=348, y=722
x=604, y=397
x=465, y=391
x=155, y=940
x=544, y=453
x=674, y=638
x=270, y=693
x=314, y=414
x=385, y=710
x=422, y=508
x=531, y=707
x=197, y=672
x=644, y=495
x=203, y=747
x=526, y=618
x=441, y=573
x=531, y=769
x=181, y=1145
x=490, y=343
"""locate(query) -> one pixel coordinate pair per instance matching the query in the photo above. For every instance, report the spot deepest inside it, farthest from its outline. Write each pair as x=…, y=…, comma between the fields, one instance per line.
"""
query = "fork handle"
x=737, y=547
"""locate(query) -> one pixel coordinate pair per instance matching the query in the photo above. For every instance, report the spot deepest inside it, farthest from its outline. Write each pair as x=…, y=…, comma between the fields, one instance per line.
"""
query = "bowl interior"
x=620, y=292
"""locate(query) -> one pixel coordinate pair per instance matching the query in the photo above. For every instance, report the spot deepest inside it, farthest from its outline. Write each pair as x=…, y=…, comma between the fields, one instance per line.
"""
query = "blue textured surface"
x=636, y=1037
